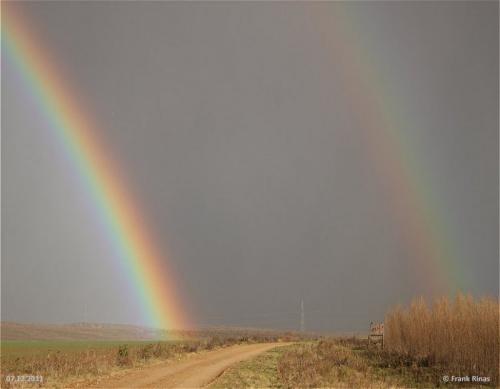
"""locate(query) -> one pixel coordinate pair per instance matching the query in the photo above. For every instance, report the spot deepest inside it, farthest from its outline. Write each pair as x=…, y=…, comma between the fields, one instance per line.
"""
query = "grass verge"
x=258, y=372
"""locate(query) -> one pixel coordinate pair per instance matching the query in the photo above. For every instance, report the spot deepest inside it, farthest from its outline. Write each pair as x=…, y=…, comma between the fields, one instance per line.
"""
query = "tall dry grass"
x=461, y=335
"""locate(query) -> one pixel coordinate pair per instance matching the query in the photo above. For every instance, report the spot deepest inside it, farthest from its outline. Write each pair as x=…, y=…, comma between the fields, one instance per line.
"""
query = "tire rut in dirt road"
x=195, y=372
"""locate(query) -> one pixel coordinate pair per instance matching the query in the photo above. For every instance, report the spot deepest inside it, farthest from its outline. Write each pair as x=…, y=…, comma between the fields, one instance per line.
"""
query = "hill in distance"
x=118, y=332
x=82, y=331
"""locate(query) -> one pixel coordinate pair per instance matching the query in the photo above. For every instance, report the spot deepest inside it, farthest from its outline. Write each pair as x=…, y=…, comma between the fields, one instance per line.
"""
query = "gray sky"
x=234, y=128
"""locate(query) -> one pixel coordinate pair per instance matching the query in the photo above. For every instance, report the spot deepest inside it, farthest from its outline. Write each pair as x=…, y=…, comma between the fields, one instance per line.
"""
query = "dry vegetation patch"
x=327, y=363
x=460, y=337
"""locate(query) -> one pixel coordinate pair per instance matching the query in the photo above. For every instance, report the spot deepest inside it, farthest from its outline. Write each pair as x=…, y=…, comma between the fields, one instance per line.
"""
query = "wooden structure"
x=376, y=334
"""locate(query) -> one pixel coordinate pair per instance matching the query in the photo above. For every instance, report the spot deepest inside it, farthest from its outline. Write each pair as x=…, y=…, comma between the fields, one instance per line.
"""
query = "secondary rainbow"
x=396, y=159
x=78, y=132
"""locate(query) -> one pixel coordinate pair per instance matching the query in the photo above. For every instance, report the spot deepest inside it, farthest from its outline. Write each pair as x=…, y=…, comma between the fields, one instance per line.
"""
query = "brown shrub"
x=123, y=356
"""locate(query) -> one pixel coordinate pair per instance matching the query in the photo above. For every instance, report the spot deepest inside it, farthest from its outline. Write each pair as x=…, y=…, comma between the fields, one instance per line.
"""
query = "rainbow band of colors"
x=418, y=211
x=75, y=129
x=395, y=159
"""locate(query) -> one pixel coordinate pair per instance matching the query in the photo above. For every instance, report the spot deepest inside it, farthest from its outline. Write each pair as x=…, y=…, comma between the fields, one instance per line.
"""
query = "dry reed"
x=460, y=335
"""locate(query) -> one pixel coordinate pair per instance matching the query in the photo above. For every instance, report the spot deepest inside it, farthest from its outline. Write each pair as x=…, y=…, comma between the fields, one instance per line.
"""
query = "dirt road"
x=195, y=372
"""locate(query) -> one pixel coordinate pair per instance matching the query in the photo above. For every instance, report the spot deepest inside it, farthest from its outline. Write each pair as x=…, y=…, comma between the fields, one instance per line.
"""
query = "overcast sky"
x=234, y=128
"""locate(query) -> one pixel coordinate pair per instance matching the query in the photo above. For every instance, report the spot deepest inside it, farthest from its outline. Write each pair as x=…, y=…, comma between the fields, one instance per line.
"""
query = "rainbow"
x=395, y=157
x=396, y=162
x=79, y=134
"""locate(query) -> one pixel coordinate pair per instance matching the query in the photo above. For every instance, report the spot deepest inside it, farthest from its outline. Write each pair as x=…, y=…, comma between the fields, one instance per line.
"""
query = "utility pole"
x=302, y=319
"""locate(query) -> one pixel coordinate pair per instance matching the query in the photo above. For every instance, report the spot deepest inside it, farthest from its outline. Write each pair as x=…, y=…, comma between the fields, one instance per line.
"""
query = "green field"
x=29, y=348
